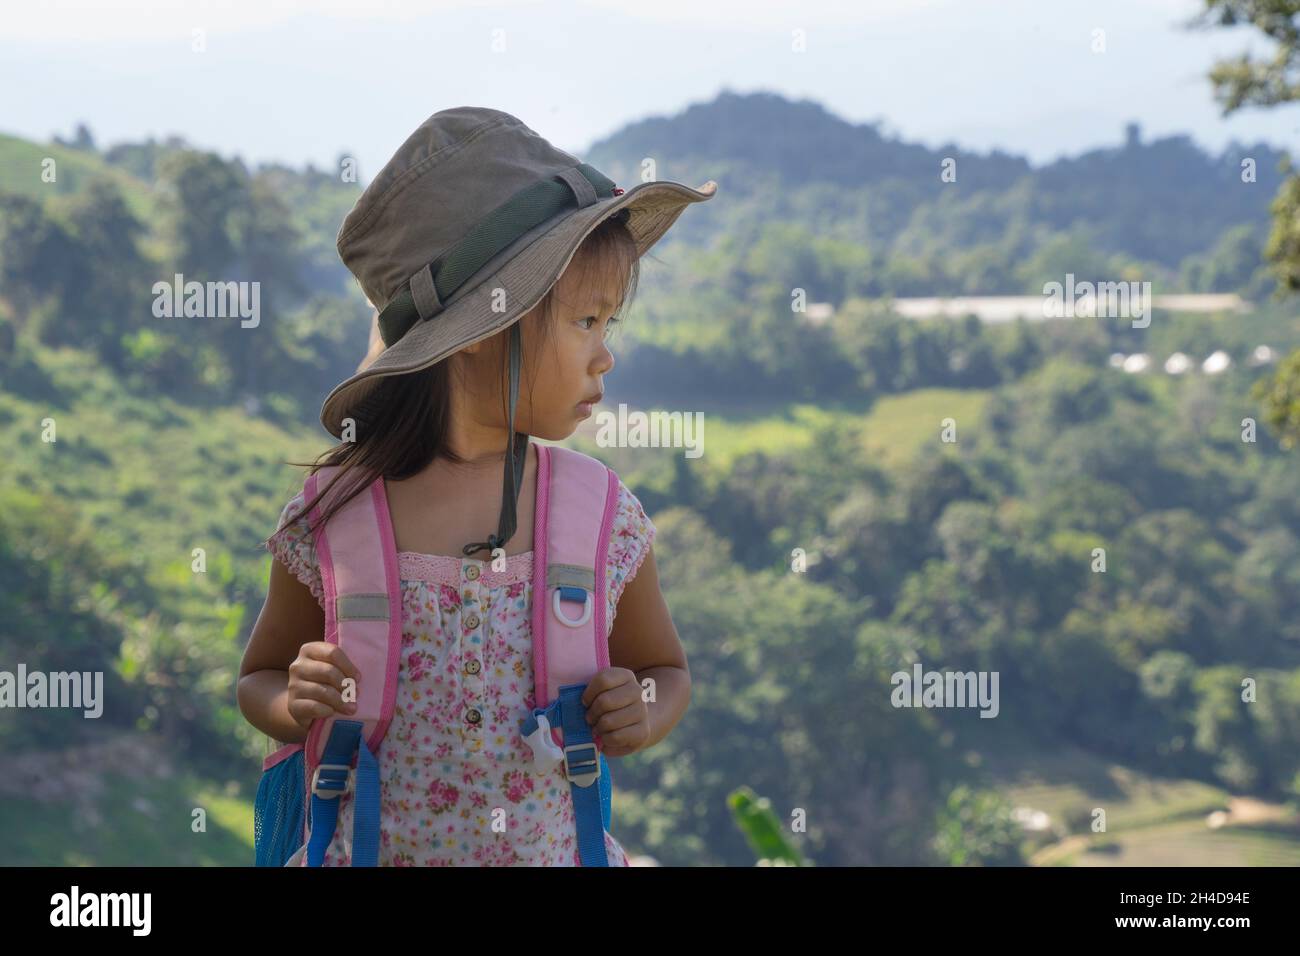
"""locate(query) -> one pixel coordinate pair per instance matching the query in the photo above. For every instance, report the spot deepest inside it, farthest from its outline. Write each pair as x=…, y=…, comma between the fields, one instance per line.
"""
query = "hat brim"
x=526, y=270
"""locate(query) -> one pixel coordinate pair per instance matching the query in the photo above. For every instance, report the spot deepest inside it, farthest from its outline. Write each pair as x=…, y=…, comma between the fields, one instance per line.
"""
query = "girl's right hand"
x=316, y=682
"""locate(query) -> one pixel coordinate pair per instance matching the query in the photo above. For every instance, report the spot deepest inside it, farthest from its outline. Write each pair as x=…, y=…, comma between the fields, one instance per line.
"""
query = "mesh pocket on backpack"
x=278, y=811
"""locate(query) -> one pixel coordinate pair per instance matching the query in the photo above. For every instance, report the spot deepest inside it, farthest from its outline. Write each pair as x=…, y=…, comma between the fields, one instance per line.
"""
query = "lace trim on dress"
x=445, y=569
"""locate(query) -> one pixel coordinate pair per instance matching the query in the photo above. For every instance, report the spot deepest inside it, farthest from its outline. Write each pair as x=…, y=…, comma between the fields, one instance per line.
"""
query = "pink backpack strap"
x=576, y=498
x=363, y=611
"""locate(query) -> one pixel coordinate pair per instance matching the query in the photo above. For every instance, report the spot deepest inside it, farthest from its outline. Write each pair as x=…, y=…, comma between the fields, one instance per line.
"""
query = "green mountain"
x=876, y=492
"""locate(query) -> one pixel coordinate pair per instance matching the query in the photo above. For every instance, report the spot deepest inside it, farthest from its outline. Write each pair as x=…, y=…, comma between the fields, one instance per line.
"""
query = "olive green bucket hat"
x=463, y=232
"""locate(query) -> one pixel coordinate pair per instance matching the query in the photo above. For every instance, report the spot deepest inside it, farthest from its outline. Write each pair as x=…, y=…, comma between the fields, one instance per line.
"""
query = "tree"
x=975, y=828
x=81, y=140
x=1281, y=399
x=40, y=261
x=114, y=286
x=1233, y=265
x=227, y=226
x=204, y=193
x=1244, y=81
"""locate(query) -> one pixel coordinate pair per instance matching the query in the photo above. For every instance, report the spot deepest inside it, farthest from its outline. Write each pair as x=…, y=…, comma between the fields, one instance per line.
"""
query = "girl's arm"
x=289, y=619
x=644, y=641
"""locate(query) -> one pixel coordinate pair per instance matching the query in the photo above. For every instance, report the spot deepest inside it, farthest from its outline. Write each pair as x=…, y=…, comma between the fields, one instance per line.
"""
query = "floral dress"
x=457, y=785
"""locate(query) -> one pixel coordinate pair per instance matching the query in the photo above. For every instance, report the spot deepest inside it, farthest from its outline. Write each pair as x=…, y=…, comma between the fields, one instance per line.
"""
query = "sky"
x=294, y=81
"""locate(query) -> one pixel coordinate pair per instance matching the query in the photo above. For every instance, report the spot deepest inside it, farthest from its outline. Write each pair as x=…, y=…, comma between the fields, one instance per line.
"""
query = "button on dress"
x=457, y=785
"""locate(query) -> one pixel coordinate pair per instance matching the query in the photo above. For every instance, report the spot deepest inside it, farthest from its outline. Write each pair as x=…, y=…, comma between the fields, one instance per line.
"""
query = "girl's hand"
x=616, y=711
x=316, y=682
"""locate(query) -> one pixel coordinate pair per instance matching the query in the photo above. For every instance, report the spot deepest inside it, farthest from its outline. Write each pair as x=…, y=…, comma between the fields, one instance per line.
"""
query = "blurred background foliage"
x=1120, y=689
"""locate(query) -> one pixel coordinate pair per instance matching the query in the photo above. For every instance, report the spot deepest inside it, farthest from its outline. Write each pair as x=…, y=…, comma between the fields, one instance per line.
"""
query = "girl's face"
x=563, y=366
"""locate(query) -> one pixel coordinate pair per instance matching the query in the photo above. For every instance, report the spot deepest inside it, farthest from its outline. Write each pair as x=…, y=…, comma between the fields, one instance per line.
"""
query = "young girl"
x=429, y=412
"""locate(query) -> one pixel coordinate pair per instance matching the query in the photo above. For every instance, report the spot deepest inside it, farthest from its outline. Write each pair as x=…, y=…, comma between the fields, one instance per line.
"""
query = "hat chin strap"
x=516, y=455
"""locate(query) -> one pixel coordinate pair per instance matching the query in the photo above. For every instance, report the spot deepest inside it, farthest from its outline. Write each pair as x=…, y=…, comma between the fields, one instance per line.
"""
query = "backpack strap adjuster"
x=586, y=770
x=338, y=780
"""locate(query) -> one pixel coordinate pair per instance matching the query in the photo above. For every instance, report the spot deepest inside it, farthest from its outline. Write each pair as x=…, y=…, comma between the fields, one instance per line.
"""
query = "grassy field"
x=119, y=801
x=1150, y=821
x=899, y=425
x=893, y=428
x=1186, y=843
x=152, y=476
x=21, y=173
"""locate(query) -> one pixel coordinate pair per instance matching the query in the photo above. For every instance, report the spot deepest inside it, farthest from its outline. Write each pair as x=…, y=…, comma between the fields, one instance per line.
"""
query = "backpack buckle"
x=586, y=769
x=570, y=593
x=338, y=780
x=536, y=732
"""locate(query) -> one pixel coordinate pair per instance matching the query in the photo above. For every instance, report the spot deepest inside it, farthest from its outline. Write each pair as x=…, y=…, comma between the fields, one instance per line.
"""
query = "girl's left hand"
x=617, y=712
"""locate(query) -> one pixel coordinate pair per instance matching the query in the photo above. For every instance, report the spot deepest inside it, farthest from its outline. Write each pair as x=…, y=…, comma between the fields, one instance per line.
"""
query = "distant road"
x=1008, y=308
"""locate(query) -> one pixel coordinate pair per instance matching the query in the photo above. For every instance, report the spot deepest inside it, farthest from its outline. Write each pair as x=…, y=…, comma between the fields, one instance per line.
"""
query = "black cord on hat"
x=516, y=455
